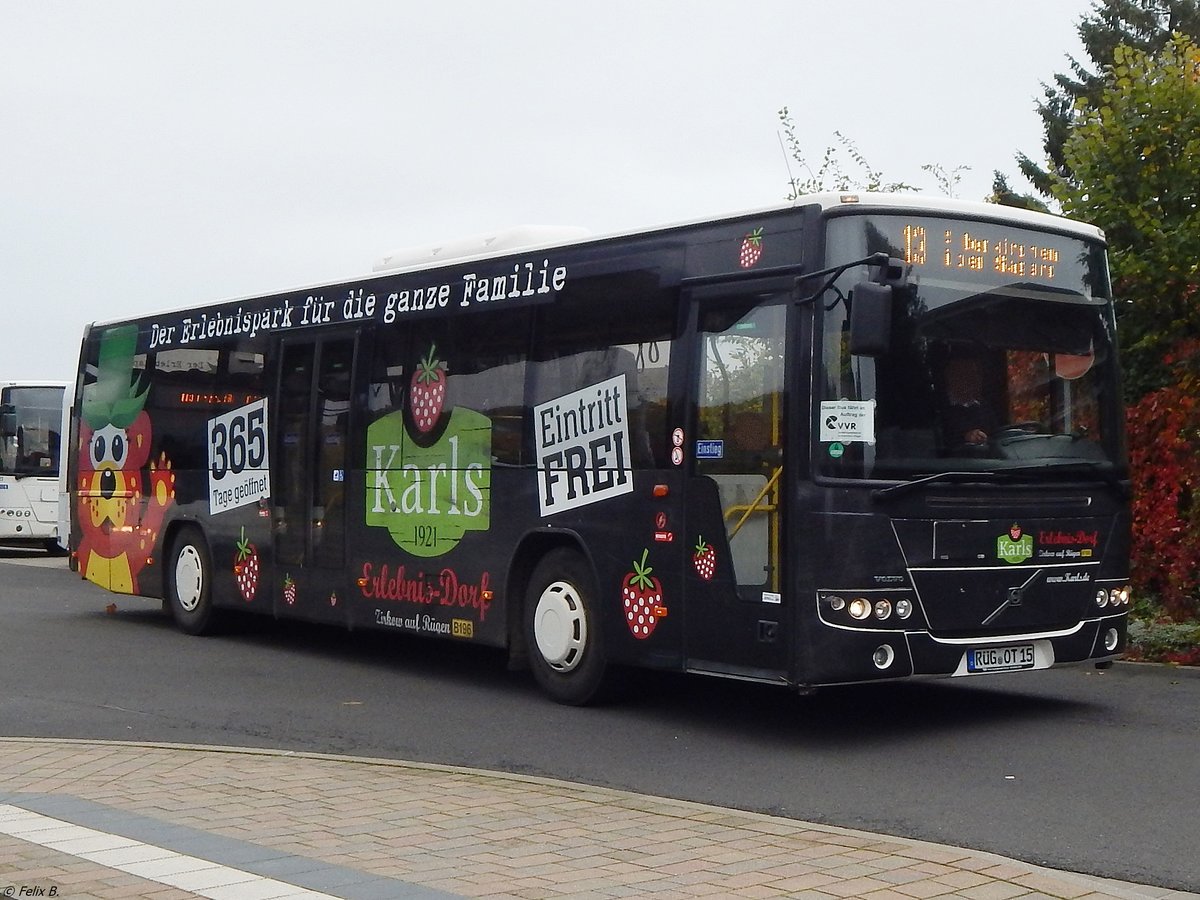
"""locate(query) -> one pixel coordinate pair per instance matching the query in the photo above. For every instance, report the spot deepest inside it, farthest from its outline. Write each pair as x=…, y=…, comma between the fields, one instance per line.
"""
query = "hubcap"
x=560, y=626
x=189, y=578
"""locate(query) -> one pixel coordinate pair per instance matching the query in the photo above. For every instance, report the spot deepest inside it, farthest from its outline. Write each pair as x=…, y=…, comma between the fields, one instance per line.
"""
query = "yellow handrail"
x=753, y=506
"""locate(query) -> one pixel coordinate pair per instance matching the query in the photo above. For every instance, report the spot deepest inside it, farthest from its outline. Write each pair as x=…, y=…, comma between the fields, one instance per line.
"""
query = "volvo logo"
x=1015, y=596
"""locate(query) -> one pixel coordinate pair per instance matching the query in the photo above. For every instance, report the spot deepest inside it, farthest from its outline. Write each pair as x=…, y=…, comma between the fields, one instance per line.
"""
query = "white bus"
x=31, y=417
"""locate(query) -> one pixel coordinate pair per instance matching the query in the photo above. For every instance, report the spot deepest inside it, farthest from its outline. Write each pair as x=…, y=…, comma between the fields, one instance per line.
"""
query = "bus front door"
x=312, y=402
x=735, y=613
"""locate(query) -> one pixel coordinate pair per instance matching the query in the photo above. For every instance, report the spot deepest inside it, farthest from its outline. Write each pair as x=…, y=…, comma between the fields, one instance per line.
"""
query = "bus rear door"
x=312, y=406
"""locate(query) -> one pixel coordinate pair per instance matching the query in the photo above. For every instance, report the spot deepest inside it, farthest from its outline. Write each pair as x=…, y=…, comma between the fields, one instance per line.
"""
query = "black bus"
x=861, y=437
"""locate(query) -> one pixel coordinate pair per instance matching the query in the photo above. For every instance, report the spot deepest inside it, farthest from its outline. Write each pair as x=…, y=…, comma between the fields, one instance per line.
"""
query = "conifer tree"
x=1144, y=25
x=1004, y=195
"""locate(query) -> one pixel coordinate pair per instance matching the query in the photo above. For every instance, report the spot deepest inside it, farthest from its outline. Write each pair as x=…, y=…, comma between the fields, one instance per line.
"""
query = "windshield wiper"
x=1089, y=467
x=905, y=486
x=1092, y=467
x=1082, y=465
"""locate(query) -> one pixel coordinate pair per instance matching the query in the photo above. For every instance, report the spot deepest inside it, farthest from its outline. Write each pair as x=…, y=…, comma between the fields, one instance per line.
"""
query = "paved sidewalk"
x=83, y=819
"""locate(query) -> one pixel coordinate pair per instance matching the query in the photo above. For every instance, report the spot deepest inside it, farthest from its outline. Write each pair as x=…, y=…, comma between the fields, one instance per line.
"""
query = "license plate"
x=1000, y=659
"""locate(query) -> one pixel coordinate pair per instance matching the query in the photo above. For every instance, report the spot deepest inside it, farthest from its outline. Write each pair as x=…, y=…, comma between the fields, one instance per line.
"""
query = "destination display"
x=963, y=252
x=966, y=247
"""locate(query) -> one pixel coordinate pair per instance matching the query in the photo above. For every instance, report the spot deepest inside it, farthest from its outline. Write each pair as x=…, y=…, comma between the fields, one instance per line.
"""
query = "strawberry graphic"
x=704, y=559
x=245, y=567
x=643, y=600
x=752, y=249
x=428, y=391
x=289, y=590
x=1015, y=532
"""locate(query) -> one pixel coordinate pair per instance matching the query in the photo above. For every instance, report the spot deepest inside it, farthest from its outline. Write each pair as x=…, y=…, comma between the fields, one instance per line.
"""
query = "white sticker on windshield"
x=848, y=421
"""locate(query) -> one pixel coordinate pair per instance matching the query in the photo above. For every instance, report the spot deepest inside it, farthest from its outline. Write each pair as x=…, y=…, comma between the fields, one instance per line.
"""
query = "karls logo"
x=583, y=447
x=429, y=497
x=429, y=479
x=1014, y=547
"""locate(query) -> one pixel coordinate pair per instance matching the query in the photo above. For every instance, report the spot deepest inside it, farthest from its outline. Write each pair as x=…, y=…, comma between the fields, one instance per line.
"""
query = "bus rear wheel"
x=189, y=583
x=562, y=631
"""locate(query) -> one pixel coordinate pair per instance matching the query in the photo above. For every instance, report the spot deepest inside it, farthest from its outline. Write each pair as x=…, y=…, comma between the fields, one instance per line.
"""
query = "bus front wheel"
x=189, y=583
x=562, y=631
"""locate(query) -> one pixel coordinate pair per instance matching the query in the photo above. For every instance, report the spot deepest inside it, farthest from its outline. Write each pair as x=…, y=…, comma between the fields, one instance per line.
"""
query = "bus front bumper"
x=881, y=655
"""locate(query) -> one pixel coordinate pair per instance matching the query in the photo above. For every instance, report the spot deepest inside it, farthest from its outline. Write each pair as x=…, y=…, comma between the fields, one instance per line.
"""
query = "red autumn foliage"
x=1164, y=448
x=1190, y=657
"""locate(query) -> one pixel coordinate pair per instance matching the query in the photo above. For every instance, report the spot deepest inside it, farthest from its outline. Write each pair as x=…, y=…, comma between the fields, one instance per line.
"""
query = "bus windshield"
x=29, y=433
x=1001, y=355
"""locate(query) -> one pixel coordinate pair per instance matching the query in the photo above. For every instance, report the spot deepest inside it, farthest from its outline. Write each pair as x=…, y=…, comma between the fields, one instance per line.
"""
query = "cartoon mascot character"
x=118, y=523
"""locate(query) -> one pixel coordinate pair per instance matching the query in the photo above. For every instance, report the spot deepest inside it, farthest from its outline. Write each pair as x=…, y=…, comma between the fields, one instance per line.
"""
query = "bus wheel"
x=561, y=629
x=189, y=583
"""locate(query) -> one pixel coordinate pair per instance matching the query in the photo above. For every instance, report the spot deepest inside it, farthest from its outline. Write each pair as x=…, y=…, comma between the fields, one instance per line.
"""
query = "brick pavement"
x=85, y=819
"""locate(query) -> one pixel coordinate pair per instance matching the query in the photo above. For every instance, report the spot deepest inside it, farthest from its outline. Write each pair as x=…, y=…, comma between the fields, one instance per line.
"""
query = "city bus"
x=857, y=438
x=31, y=426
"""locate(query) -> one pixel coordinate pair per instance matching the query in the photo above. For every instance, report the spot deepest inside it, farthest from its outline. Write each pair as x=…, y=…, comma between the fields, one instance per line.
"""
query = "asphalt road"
x=1095, y=772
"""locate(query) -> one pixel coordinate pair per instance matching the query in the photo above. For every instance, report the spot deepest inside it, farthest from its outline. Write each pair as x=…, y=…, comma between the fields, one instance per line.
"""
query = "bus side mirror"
x=870, y=319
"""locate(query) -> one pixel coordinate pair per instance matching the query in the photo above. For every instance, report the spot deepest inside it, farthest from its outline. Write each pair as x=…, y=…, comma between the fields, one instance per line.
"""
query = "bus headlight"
x=1120, y=596
x=860, y=608
x=1111, y=639
x=883, y=609
x=1102, y=598
x=904, y=608
x=883, y=656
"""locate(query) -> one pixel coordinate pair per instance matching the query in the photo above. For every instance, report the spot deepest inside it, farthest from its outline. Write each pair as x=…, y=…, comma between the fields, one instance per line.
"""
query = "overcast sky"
x=158, y=154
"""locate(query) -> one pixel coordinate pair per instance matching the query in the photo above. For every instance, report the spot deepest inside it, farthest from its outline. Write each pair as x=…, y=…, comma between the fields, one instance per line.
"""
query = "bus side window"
x=606, y=328
x=329, y=488
x=480, y=361
x=291, y=490
x=385, y=392
x=488, y=375
x=190, y=386
x=741, y=387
